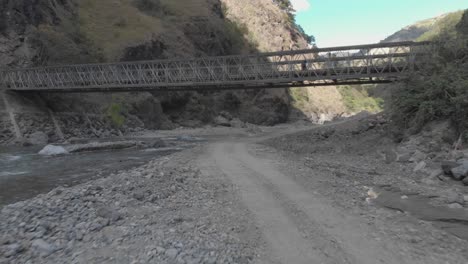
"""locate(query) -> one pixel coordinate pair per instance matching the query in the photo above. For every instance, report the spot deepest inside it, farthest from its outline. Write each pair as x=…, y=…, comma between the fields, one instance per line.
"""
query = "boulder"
x=418, y=156
x=237, y=123
x=420, y=166
x=38, y=138
x=454, y=197
x=253, y=129
x=158, y=143
x=51, y=150
x=222, y=121
x=226, y=115
x=457, y=155
x=390, y=155
x=108, y=213
x=13, y=249
x=447, y=166
x=460, y=172
x=42, y=247
x=455, y=206
x=404, y=157
x=435, y=173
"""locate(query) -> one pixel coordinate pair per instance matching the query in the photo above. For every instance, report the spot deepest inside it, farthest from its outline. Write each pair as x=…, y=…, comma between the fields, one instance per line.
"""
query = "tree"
x=309, y=38
x=462, y=26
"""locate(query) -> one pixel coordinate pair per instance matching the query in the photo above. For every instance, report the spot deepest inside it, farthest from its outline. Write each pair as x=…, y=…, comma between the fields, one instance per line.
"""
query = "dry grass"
x=187, y=7
x=444, y=25
x=325, y=99
x=112, y=25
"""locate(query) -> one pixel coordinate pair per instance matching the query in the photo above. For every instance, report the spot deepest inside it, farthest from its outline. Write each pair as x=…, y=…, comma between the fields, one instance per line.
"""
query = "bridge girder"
x=360, y=64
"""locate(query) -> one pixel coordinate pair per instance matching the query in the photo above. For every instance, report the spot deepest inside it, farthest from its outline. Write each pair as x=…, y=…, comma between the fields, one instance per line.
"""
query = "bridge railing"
x=390, y=60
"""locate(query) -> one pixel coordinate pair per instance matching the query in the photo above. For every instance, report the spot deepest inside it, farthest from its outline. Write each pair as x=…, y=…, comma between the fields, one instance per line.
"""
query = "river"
x=25, y=174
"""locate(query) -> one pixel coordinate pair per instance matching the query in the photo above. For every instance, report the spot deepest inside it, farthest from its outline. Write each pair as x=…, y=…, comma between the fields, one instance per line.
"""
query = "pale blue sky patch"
x=348, y=22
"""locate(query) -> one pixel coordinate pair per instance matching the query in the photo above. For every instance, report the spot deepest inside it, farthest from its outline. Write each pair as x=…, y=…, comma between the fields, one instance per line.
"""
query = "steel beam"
x=340, y=64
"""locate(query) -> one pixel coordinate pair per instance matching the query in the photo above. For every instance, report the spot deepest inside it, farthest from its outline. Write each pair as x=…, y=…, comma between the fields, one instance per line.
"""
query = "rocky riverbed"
x=233, y=200
x=161, y=212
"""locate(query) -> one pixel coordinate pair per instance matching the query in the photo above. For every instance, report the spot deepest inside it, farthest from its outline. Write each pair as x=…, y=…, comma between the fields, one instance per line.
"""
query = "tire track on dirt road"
x=297, y=226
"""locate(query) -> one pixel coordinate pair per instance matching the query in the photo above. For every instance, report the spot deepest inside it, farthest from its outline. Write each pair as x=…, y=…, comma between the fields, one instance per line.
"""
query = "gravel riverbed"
x=161, y=212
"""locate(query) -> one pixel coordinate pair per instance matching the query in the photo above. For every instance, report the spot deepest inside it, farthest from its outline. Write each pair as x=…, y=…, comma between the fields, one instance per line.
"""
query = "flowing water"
x=25, y=174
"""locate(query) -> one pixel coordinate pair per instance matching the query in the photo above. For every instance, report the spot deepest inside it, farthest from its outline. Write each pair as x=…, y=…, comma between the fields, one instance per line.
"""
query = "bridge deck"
x=329, y=66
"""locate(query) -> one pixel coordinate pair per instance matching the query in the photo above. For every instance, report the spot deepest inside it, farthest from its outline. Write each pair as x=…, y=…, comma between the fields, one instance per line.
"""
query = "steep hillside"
x=427, y=29
x=50, y=32
x=346, y=100
x=438, y=91
x=269, y=27
x=371, y=98
x=274, y=29
x=108, y=30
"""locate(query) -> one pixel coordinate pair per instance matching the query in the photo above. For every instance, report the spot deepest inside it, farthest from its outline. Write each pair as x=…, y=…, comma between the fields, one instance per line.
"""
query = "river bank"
x=25, y=173
x=288, y=194
x=160, y=212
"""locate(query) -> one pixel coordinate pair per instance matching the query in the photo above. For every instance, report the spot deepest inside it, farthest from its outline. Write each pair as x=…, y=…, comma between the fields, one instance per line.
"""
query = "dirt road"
x=236, y=199
x=298, y=226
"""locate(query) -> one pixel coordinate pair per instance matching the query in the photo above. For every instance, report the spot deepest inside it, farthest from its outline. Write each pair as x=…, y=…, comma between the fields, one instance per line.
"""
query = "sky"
x=349, y=22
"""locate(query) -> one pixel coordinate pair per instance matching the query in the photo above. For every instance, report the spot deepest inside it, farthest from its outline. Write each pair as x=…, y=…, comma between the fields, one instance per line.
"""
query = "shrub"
x=437, y=92
x=63, y=44
x=358, y=98
x=115, y=113
x=231, y=101
x=299, y=96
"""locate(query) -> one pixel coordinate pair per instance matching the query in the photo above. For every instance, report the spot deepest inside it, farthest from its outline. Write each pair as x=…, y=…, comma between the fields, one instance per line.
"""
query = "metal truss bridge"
x=374, y=63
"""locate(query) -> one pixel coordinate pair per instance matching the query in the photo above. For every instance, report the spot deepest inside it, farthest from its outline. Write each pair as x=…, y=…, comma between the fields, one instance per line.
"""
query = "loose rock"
x=447, y=166
x=420, y=166
x=460, y=172
x=172, y=253
x=51, y=150
x=455, y=206
x=38, y=138
x=43, y=247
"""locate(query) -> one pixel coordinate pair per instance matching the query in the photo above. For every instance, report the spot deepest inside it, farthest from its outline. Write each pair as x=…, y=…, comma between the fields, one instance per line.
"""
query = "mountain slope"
x=51, y=32
x=427, y=29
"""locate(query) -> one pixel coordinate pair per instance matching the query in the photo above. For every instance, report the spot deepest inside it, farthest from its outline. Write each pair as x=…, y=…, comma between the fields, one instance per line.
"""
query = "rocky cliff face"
x=50, y=32
x=268, y=27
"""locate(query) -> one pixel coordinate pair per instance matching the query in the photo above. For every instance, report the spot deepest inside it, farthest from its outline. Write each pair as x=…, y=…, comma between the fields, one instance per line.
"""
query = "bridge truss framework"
x=375, y=63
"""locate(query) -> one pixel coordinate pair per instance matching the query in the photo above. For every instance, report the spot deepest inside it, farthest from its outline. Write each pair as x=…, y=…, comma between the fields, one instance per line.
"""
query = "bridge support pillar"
x=11, y=114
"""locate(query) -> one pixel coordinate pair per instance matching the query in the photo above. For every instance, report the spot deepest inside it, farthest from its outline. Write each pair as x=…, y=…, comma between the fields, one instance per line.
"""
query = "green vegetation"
x=462, y=26
x=63, y=44
x=300, y=97
x=287, y=7
x=440, y=90
x=309, y=38
x=150, y=7
x=96, y=34
x=360, y=98
x=111, y=33
x=445, y=26
x=354, y=98
x=115, y=113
